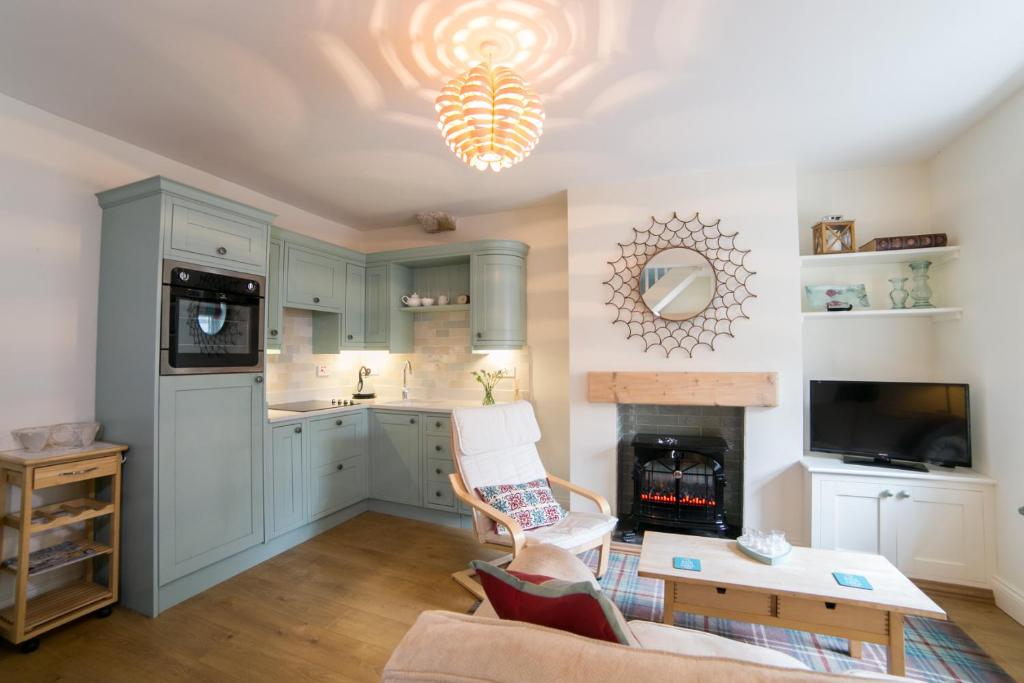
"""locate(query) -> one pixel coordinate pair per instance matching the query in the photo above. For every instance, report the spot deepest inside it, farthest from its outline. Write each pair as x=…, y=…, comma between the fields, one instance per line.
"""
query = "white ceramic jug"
x=413, y=300
x=442, y=300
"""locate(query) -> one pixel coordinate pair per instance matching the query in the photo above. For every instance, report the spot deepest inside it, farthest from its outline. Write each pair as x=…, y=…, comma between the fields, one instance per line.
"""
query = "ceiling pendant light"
x=489, y=116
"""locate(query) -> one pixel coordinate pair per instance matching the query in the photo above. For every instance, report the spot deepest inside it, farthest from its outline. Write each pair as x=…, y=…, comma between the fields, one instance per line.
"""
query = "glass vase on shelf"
x=921, y=293
x=899, y=294
x=488, y=380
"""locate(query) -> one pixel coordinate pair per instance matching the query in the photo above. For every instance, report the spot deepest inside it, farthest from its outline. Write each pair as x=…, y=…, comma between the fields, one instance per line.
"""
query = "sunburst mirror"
x=679, y=284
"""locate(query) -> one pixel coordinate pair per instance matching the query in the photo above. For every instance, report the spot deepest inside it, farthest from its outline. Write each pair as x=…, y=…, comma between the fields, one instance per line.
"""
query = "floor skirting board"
x=1009, y=598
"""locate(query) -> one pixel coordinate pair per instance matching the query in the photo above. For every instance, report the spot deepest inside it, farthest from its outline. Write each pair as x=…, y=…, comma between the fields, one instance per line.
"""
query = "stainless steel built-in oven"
x=211, y=320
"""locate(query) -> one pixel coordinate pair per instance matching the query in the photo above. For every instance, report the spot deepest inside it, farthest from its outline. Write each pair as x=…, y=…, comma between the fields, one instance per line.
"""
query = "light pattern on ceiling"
x=726, y=307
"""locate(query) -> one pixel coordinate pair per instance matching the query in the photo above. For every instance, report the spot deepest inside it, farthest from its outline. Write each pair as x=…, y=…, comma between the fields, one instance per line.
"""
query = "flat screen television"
x=895, y=424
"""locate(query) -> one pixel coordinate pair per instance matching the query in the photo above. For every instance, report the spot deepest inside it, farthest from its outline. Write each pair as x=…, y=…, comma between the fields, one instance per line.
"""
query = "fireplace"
x=680, y=470
x=679, y=482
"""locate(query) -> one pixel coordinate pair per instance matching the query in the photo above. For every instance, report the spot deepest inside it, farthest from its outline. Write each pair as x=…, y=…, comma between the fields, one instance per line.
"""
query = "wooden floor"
x=331, y=609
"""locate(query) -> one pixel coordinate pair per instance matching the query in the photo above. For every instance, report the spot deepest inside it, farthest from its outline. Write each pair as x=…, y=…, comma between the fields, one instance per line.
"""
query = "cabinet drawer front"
x=437, y=425
x=438, y=470
x=439, y=494
x=69, y=472
x=221, y=235
x=337, y=486
x=439, y=447
x=314, y=281
x=724, y=598
x=337, y=438
x=864, y=619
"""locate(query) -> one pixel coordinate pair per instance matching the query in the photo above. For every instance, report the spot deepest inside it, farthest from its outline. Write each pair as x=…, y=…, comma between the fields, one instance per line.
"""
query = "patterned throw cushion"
x=531, y=504
x=575, y=606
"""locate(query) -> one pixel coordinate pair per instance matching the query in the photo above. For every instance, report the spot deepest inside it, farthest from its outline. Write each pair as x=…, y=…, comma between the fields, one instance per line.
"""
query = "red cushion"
x=577, y=607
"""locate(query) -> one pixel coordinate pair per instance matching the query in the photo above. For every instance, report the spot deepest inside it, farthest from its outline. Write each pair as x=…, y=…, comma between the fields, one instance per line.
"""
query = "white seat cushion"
x=684, y=641
x=576, y=529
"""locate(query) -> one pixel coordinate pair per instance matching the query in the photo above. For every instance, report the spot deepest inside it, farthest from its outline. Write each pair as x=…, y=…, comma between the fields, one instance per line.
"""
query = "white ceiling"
x=328, y=104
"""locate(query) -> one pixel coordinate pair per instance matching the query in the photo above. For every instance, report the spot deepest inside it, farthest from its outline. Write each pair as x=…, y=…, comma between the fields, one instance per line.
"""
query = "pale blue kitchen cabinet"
x=437, y=463
x=354, y=318
x=376, y=307
x=272, y=301
x=286, y=480
x=313, y=280
x=210, y=467
x=338, y=455
x=215, y=234
x=396, y=471
x=498, y=312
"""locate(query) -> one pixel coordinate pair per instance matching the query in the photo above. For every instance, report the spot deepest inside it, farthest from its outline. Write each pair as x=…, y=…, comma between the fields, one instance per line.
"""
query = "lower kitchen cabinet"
x=395, y=469
x=337, y=456
x=935, y=526
x=285, y=480
x=210, y=502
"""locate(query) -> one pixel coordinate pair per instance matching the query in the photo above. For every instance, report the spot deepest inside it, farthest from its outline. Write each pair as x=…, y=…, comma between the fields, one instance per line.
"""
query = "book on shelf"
x=935, y=239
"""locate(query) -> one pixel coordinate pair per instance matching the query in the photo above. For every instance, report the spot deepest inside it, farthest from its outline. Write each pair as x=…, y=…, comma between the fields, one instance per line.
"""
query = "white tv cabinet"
x=934, y=525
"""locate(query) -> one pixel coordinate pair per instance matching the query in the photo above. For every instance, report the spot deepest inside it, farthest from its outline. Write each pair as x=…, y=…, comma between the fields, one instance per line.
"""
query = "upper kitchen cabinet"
x=199, y=227
x=275, y=317
x=492, y=272
x=498, y=313
x=354, y=319
x=313, y=280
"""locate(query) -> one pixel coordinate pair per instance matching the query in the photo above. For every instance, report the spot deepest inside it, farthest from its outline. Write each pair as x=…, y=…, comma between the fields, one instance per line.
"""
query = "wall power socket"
x=321, y=371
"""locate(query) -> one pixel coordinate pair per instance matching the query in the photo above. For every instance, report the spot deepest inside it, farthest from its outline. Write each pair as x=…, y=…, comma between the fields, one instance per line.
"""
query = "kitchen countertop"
x=412, y=405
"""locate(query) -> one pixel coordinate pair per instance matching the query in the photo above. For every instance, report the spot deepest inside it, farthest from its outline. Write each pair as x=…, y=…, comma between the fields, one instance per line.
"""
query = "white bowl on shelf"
x=74, y=434
x=33, y=439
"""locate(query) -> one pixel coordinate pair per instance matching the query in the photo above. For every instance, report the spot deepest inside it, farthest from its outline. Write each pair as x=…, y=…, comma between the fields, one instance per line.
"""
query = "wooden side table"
x=98, y=464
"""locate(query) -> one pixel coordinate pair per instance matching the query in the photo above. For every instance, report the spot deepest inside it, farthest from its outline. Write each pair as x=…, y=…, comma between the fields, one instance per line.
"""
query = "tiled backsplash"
x=441, y=362
x=725, y=422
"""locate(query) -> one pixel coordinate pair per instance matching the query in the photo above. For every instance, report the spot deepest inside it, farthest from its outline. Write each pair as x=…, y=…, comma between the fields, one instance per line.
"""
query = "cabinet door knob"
x=222, y=250
x=437, y=494
x=316, y=299
x=273, y=333
x=258, y=379
x=349, y=336
x=412, y=421
x=885, y=494
x=903, y=494
x=298, y=430
x=339, y=422
x=437, y=470
x=341, y=467
x=479, y=335
x=437, y=425
x=437, y=448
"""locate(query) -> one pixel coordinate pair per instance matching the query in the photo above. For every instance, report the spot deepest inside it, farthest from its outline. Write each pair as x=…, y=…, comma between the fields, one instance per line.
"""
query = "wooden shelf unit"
x=92, y=508
x=27, y=618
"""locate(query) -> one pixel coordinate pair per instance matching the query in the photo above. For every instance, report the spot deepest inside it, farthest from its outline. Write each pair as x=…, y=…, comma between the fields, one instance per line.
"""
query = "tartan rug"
x=935, y=650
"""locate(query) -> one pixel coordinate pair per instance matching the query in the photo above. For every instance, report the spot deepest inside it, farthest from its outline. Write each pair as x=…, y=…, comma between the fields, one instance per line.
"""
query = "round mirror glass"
x=677, y=283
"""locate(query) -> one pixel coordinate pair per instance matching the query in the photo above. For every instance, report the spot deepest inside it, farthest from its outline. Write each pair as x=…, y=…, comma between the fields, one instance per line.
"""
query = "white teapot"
x=413, y=300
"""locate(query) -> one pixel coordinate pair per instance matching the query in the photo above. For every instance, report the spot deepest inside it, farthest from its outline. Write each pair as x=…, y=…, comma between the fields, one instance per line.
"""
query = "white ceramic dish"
x=74, y=434
x=33, y=439
x=426, y=301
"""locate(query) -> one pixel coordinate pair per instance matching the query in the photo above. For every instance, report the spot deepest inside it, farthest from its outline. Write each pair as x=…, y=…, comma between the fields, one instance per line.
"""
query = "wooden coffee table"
x=798, y=594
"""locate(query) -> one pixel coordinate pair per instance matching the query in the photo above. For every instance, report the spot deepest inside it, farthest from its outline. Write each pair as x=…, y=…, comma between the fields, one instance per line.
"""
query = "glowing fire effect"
x=671, y=498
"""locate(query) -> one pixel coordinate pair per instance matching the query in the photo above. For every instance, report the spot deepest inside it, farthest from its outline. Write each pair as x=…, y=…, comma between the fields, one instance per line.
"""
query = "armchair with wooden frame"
x=497, y=445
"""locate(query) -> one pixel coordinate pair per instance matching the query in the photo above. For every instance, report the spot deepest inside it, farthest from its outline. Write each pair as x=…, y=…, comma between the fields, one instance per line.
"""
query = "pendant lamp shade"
x=490, y=117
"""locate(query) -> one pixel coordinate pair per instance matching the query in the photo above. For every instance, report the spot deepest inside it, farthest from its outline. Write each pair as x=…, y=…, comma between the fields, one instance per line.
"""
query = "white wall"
x=543, y=228
x=50, y=169
x=978, y=192
x=760, y=204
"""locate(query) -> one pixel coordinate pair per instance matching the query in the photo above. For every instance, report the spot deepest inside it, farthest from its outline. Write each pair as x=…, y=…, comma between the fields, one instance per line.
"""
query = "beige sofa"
x=444, y=646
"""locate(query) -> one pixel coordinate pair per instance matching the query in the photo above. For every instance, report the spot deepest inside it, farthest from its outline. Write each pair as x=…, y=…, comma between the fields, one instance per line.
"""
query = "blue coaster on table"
x=852, y=581
x=688, y=563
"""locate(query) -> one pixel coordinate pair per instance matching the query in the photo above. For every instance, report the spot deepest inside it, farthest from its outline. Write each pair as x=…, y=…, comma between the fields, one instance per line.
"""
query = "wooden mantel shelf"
x=743, y=389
